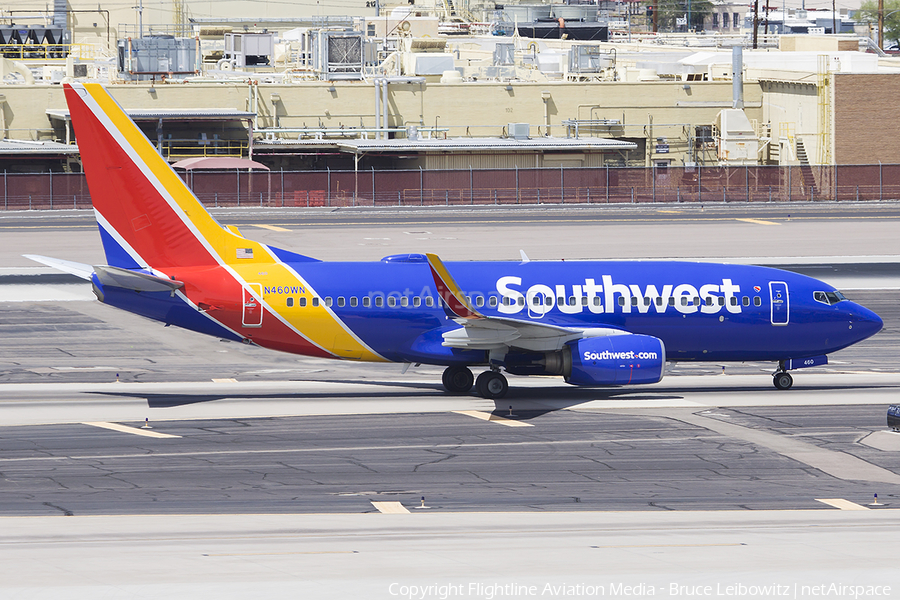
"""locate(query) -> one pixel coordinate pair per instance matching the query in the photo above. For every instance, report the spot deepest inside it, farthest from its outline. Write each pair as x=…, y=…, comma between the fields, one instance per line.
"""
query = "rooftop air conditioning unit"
x=518, y=131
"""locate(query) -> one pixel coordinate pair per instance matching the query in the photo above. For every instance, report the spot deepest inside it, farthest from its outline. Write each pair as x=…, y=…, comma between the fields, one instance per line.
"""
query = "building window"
x=715, y=16
x=737, y=21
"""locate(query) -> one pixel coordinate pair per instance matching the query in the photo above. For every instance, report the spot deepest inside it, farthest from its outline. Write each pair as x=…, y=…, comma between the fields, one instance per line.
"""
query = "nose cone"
x=865, y=323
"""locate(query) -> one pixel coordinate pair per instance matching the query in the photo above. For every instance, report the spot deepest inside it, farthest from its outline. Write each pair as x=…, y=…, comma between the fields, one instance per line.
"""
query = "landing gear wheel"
x=457, y=380
x=491, y=385
x=783, y=381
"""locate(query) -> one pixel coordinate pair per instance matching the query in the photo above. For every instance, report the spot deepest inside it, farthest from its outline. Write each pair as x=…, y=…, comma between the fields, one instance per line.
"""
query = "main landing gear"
x=490, y=384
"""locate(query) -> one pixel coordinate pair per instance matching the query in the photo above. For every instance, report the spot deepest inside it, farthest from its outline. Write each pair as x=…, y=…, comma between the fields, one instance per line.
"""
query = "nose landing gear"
x=783, y=380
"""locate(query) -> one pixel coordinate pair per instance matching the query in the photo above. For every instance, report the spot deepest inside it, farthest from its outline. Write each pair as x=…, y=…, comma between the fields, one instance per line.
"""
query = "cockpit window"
x=829, y=297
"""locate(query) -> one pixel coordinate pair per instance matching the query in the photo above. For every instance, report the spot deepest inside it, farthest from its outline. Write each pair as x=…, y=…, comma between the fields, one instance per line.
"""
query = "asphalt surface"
x=566, y=461
x=267, y=473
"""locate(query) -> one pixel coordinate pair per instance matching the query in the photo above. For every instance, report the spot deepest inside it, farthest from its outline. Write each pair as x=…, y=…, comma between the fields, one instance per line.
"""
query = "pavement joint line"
x=672, y=545
x=842, y=504
x=131, y=430
x=283, y=553
x=390, y=508
x=486, y=416
x=362, y=448
x=835, y=463
x=758, y=221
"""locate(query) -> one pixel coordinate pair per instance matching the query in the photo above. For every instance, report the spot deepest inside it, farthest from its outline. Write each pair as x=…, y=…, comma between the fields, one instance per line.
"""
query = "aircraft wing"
x=481, y=332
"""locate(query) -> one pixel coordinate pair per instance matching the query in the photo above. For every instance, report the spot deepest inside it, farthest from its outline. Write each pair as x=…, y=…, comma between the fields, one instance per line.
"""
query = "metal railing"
x=565, y=185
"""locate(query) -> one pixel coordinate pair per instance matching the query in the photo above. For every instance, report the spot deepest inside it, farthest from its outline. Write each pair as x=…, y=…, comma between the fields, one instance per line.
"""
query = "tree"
x=669, y=10
x=868, y=13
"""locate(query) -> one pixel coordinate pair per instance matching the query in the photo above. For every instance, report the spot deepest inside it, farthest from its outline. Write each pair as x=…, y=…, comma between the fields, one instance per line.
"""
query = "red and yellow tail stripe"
x=157, y=219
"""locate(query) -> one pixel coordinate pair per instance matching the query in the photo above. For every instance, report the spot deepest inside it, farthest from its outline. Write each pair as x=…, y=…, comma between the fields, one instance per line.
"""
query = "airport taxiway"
x=267, y=474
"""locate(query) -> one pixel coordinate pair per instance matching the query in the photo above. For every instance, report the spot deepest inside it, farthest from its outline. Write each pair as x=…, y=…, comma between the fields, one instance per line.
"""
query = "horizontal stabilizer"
x=135, y=280
x=66, y=266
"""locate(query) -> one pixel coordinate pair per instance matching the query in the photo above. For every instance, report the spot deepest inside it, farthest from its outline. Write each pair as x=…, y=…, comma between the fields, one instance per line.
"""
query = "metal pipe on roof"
x=378, y=107
x=737, y=77
x=384, y=106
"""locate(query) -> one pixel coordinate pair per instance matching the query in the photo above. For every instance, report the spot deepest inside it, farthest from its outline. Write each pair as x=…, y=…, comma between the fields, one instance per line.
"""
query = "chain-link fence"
x=612, y=185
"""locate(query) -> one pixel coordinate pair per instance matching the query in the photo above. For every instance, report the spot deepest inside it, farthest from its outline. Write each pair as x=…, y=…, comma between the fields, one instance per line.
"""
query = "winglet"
x=449, y=291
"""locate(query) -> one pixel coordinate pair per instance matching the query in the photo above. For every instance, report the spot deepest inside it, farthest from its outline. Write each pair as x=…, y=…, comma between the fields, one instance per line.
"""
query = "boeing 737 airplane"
x=605, y=323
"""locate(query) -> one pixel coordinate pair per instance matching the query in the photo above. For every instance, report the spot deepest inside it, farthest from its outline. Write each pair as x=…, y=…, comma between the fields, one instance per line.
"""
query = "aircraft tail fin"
x=148, y=217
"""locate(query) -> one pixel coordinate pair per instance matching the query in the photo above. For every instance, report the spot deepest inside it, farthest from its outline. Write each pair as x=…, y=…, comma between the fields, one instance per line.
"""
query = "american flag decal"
x=245, y=252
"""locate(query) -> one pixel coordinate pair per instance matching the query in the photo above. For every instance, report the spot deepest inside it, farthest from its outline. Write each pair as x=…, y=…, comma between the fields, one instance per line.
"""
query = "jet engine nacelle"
x=617, y=360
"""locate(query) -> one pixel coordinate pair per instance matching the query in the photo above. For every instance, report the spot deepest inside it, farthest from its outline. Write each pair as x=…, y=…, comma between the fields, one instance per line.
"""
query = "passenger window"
x=315, y=302
x=560, y=301
x=492, y=301
x=733, y=300
x=340, y=301
x=379, y=301
x=521, y=301
x=621, y=300
x=417, y=302
x=571, y=300
x=479, y=301
x=506, y=301
x=302, y=302
x=584, y=300
x=684, y=300
x=745, y=300
x=659, y=301
x=367, y=302
x=596, y=300
x=536, y=300
x=696, y=301
x=404, y=301
x=709, y=301
x=392, y=302
x=429, y=301
x=290, y=302
x=671, y=300
x=634, y=301
x=647, y=301
x=353, y=301
x=757, y=301
x=327, y=300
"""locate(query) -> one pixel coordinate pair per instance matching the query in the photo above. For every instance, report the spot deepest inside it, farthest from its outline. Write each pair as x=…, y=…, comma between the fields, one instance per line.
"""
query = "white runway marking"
x=226, y=380
x=390, y=508
x=841, y=503
x=131, y=430
x=486, y=416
